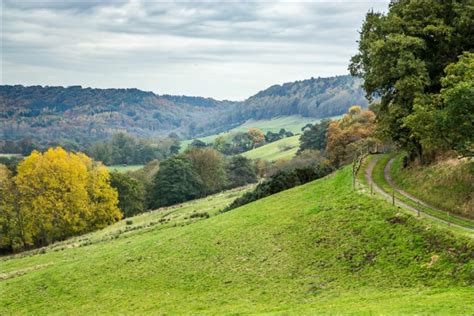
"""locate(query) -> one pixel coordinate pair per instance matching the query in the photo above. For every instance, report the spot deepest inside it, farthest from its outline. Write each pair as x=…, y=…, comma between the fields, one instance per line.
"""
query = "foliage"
x=240, y=171
x=80, y=116
x=314, y=136
x=280, y=181
x=448, y=117
x=257, y=136
x=349, y=134
x=176, y=181
x=402, y=57
x=126, y=150
x=131, y=194
x=209, y=165
x=53, y=196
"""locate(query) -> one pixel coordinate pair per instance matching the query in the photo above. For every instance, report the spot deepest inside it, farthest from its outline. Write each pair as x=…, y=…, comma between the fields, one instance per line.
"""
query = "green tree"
x=402, y=55
x=315, y=136
x=240, y=171
x=209, y=165
x=176, y=181
x=131, y=194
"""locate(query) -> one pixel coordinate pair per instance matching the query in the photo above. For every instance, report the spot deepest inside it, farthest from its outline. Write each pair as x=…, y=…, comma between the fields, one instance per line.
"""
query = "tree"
x=403, y=54
x=196, y=143
x=209, y=165
x=314, y=137
x=257, y=136
x=349, y=134
x=176, y=181
x=131, y=194
x=240, y=171
x=55, y=195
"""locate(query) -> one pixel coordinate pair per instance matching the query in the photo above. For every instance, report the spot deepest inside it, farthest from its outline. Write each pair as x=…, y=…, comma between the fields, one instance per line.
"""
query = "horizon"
x=167, y=94
x=201, y=49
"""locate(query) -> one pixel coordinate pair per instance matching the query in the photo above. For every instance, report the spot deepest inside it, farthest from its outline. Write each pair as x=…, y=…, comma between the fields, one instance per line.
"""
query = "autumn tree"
x=349, y=134
x=55, y=195
x=257, y=137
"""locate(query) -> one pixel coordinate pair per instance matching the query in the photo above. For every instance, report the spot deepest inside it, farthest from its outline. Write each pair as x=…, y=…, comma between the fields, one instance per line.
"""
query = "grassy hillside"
x=124, y=168
x=447, y=184
x=283, y=148
x=316, y=248
x=292, y=123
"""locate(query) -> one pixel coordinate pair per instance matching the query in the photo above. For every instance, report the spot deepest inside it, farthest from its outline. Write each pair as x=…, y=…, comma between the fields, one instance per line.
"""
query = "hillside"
x=83, y=115
x=317, y=248
x=292, y=123
x=447, y=184
x=284, y=148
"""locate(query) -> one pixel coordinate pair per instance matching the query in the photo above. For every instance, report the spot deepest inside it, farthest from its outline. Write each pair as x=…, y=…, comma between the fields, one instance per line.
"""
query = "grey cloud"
x=149, y=44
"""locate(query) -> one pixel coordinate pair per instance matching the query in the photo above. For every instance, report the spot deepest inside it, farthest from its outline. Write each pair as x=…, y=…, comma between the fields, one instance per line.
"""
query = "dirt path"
x=387, y=196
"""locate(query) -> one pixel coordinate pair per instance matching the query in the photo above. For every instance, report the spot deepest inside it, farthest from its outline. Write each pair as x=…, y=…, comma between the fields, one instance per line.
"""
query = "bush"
x=280, y=181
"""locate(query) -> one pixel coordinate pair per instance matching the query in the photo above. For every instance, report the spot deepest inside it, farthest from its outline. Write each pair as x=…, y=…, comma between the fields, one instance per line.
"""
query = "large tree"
x=176, y=181
x=54, y=195
x=403, y=54
x=209, y=164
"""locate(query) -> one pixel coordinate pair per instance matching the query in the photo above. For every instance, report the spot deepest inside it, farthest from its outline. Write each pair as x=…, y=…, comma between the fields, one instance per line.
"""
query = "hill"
x=84, y=115
x=292, y=123
x=283, y=148
x=317, y=248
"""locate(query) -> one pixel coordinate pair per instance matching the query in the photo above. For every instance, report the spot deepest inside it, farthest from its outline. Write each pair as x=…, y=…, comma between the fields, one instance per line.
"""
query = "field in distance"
x=292, y=123
x=284, y=148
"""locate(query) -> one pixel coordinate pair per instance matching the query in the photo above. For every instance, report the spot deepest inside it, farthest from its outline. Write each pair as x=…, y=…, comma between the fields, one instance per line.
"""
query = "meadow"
x=292, y=123
x=316, y=248
x=124, y=168
x=284, y=148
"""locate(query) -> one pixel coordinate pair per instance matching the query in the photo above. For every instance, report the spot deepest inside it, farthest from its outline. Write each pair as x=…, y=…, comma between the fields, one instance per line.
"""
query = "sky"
x=225, y=50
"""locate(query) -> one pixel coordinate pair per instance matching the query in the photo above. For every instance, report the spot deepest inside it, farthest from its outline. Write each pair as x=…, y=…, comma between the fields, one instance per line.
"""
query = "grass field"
x=124, y=168
x=283, y=148
x=317, y=248
x=10, y=155
x=292, y=123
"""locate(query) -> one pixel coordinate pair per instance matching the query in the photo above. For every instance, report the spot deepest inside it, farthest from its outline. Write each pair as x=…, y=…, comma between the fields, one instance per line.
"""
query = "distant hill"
x=84, y=115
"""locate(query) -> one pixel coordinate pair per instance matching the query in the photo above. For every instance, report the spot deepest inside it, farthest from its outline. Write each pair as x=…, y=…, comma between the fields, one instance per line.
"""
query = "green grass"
x=284, y=148
x=317, y=248
x=447, y=184
x=292, y=123
x=10, y=155
x=124, y=168
x=379, y=178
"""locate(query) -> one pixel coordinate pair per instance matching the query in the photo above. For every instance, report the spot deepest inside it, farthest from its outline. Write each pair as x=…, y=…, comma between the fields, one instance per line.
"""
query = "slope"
x=284, y=148
x=320, y=247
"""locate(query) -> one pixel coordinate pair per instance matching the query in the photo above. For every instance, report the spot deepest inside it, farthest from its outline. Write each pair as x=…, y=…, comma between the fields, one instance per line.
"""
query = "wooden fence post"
x=393, y=197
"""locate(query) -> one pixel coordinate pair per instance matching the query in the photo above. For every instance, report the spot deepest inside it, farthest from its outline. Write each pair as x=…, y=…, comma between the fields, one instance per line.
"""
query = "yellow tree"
x=61, y=194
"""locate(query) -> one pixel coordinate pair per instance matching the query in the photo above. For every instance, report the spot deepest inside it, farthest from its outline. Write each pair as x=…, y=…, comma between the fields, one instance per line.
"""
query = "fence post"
x=371, y=188
x=393, y=197
x=418, y=208
x=449, y=223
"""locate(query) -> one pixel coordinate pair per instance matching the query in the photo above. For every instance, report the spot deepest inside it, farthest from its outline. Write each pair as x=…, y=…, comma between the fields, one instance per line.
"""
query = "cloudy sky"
x=225, y=50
